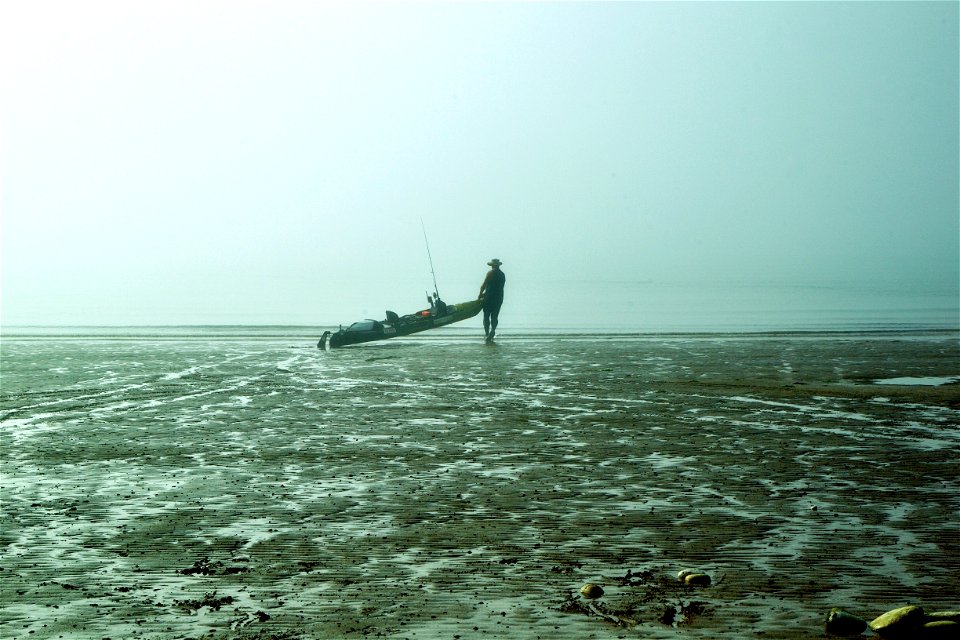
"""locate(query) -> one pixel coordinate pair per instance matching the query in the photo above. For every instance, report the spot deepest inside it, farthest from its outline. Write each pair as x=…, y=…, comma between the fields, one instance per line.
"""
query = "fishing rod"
x=436, y=291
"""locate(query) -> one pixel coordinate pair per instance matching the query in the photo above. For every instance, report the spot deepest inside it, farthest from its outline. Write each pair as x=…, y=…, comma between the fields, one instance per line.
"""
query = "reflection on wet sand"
x=433, y=488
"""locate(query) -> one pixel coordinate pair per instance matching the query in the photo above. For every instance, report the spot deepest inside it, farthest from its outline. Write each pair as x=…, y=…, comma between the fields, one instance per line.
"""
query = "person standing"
x=491, y=292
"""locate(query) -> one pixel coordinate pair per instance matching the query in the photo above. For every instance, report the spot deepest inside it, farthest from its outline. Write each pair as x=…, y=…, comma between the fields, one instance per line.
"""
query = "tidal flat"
x=437, y=487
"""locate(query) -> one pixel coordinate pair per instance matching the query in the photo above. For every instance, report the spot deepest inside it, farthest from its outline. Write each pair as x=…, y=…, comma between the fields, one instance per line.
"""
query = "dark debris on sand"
x=204, y=567
x=208, y=600
x=643, y=596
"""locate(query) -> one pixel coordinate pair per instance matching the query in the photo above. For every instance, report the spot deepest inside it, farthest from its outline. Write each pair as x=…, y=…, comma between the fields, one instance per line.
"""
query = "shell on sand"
x=697, y=579
x=898, y=622
x=591, y=590
x=686, y=572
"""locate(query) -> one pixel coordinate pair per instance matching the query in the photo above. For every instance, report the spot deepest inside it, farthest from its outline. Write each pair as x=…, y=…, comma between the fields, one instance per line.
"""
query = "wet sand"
x=443, y=488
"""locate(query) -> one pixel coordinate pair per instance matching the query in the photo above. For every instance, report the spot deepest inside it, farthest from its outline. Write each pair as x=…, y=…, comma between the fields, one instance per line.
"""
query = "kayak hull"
x=395, y=326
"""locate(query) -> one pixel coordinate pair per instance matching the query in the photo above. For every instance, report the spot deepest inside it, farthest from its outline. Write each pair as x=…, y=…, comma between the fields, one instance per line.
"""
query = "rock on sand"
x=940, y=630
x=843, y=623
x=899, y=623
x=697, y=580
x=591, y=590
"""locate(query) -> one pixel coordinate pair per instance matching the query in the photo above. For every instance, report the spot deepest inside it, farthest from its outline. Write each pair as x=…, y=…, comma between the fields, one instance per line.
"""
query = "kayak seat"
x=392, y=317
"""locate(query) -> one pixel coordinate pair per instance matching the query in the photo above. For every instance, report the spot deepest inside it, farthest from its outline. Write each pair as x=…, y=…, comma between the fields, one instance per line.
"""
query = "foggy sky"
x=233, y=162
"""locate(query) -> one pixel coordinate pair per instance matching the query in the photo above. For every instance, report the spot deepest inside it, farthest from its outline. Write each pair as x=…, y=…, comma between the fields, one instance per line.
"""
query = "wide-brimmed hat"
x=495, y=262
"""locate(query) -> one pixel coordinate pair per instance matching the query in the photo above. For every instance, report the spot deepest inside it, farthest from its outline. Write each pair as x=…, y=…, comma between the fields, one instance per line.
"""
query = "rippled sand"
x=440, y=487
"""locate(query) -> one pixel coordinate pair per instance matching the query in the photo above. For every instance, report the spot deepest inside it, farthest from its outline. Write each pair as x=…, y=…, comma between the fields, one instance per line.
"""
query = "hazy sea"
x=621, y=307
x=684, y=307
x=236, y=481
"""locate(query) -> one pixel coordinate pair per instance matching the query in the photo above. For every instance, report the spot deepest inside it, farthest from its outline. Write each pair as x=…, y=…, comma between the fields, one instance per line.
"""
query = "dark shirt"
x=492, y=288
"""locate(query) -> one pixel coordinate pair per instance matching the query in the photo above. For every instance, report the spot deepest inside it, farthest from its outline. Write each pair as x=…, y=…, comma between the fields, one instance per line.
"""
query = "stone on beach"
x=898, y=623
x=591, y=590
x=940, y=630
x=694, y=577
x=843, y=623
x=697, y=580
x=905, y=623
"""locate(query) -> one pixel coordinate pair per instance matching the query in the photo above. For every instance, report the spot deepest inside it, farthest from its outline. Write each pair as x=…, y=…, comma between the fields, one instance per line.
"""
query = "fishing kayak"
x=437, y=315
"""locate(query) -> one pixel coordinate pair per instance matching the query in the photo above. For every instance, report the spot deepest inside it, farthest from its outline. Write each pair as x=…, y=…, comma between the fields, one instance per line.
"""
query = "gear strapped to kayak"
x=438, y=315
